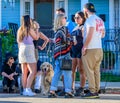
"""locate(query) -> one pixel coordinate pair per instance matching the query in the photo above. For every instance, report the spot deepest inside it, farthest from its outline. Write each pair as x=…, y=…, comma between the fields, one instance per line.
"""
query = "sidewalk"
x=106, y=87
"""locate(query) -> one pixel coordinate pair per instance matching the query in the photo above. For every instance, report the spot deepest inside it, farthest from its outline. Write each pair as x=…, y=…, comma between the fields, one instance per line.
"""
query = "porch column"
x=0, y=14
x=111, y=14
x=83, y=2
x=119, y=13
x=32, y=8
x=22, y=8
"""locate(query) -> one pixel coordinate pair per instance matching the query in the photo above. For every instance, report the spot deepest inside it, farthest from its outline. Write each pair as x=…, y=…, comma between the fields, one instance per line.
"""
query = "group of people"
x=82, y=43
x=85, y=49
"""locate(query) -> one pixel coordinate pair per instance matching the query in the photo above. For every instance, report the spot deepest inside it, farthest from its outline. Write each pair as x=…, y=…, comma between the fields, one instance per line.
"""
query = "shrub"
x=8, y=41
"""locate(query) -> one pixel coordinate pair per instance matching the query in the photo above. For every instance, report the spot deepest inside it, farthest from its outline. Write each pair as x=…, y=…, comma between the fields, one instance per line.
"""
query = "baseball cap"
x=90, y=7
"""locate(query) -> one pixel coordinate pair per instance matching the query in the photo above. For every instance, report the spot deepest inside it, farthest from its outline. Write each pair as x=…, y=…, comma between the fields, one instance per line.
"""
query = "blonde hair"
x=35, y=25
x=24, y=29
x=58, y=21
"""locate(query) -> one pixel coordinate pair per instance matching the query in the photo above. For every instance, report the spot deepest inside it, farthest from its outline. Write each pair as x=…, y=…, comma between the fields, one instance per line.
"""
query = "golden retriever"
x=46, y=77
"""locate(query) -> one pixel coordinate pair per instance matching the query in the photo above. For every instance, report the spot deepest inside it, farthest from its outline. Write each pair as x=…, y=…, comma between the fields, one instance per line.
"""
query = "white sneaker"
x=24, y=92
x=28, y=92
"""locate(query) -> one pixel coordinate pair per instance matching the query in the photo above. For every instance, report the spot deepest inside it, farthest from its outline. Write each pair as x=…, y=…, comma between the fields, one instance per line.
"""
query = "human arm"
x=8, y=76
x=88, y=39
x=46, y=40
x=18, y=37
x=103, y=33
x=33, y=34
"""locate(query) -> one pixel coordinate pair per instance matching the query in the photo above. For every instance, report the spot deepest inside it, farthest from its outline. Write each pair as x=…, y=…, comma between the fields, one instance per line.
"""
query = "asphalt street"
x=16, y=98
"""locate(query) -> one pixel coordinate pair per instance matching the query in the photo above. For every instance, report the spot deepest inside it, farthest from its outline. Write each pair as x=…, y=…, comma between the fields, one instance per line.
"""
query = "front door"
x=44, y=12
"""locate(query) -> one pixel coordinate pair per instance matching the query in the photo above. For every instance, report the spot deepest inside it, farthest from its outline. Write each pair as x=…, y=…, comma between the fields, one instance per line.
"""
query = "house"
x=44, y=10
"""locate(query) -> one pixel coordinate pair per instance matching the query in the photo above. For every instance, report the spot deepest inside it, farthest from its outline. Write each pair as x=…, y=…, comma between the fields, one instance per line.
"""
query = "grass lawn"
x=0, y=77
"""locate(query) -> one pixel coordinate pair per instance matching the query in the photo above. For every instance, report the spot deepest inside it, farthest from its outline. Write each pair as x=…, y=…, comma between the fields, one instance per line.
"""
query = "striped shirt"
x=61, y=46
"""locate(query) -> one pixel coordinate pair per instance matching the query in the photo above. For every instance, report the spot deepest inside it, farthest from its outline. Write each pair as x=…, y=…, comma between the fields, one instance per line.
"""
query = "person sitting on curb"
x=9, y=74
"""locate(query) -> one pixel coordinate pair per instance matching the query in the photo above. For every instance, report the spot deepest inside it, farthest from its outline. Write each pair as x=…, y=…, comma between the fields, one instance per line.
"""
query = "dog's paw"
x=44, y=93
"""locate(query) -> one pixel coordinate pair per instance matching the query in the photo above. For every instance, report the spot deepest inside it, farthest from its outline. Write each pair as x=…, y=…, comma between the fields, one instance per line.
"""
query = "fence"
x=0, y=53
x=110, y=66
x=47, y=53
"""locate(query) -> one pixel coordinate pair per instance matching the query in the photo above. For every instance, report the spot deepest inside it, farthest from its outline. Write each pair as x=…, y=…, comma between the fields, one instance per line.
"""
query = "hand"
x=75, y=42
x=11, y=77
x=84, y=51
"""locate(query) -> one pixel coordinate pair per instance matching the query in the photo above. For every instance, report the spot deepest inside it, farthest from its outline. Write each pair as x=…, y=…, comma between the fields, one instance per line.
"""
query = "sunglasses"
x=76, y=17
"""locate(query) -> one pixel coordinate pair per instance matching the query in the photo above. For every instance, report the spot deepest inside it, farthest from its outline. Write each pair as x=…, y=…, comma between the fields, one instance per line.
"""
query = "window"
x=61, y=4
x=27, y=8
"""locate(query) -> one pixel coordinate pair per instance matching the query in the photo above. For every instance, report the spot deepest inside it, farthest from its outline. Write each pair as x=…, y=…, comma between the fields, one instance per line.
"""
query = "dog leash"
x=49, y=52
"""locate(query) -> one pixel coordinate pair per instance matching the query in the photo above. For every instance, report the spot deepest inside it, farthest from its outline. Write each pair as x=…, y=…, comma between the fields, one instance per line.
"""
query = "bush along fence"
x=7, y=43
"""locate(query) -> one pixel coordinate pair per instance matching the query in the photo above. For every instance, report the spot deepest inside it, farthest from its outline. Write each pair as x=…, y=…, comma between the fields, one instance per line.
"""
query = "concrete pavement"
x=113, y=88
x=16, y=98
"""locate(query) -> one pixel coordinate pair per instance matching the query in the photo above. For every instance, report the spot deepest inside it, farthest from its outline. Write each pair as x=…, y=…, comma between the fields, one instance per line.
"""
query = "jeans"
x=8, y=82
x=67, y=78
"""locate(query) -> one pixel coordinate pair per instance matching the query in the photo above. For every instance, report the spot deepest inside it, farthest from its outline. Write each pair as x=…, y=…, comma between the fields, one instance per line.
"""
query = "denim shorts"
x=76, y=51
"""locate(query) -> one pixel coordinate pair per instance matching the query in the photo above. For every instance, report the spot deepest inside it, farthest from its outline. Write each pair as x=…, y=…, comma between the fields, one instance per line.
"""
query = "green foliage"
x=109, y=77
x=8, y=41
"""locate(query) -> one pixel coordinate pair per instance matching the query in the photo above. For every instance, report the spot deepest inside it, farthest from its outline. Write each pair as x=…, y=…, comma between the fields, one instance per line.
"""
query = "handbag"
x=66, y=64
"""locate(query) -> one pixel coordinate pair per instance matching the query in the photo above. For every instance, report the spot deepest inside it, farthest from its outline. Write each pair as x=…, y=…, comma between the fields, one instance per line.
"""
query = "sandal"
x=69, y=95
x=52, y=95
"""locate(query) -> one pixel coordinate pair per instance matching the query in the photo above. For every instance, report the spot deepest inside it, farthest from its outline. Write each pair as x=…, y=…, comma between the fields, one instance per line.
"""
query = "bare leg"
x=31, y=76
x=82, y=73
x=24, y=74
x=74, y=65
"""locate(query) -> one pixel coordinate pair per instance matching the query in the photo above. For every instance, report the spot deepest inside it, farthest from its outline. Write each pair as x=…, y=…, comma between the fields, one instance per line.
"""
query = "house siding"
x=10, y=14
x=73, y=7
x=102, y=7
